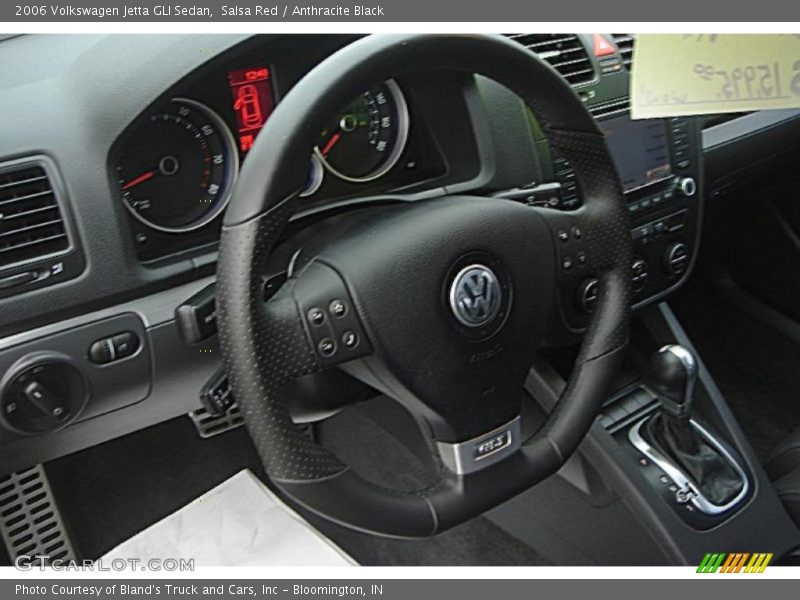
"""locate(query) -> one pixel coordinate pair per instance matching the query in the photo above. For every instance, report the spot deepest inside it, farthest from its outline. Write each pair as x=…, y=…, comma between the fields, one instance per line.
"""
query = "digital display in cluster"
x=253, y=102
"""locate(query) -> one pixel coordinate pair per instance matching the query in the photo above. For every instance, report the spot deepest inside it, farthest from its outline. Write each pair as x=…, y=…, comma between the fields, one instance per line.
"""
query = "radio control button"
x=687, y=186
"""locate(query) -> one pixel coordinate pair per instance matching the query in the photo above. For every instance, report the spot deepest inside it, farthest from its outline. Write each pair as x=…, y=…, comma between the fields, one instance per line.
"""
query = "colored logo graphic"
x=736, y=562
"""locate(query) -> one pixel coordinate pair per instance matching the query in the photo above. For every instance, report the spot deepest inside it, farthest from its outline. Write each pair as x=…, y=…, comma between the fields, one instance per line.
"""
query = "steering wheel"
x=443, y=302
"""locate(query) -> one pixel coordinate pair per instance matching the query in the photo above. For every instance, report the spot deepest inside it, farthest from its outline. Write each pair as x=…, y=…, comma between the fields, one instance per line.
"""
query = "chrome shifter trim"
x=685, y=485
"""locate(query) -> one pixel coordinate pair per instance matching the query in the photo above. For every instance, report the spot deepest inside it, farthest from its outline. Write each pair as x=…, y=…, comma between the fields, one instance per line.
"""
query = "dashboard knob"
x=676, y=258
x=42, y=393
x=687, y=186
x=588, y=294
x=639, y=274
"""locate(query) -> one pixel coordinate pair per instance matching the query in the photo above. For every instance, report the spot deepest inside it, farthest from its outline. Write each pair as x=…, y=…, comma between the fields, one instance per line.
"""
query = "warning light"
x=602, y=47
x=253, y=102
x=246, y=142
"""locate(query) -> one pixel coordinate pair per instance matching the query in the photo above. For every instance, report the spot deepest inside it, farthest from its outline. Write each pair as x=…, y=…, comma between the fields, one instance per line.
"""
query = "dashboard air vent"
x=564, y=52
x=610, y=109
x=31, y=223
x=624, y=42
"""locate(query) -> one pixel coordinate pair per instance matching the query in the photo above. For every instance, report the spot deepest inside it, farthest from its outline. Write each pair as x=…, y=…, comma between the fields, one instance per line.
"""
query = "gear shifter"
x=671, y=375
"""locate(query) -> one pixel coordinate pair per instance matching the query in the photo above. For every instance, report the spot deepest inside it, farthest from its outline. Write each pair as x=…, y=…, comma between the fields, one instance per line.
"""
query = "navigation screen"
x=639, y=150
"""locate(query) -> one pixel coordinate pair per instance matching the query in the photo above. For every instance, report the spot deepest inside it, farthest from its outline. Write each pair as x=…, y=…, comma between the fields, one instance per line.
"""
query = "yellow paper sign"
x=689, y=74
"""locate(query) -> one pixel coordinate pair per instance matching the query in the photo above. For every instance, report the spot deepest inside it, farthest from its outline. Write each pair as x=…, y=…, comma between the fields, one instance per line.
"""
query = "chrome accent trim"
x=317, y=175
x=490, y=297
x=685, y=485
x=688, y=186
x=460, y=457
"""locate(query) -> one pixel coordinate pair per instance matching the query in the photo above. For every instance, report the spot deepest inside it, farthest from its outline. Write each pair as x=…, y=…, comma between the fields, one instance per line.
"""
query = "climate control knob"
x=639, y=274
x=676, y=258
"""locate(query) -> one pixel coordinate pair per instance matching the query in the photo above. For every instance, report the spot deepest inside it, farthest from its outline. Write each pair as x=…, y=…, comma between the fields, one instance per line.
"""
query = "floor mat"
x=238, y=523
x=110, y=492
x=476, y=543
x=757, y=369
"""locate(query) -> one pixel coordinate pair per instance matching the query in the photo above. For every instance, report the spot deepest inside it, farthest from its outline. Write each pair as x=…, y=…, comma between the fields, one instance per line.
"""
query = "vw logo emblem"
x=475, y=296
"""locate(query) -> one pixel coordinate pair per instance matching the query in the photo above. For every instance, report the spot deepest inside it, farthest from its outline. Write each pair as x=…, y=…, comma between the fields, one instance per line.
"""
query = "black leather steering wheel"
x=459, y=364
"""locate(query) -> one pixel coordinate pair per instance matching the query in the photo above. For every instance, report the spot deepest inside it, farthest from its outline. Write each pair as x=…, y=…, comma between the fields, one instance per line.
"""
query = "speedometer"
x=176, y=170
x=367, y=138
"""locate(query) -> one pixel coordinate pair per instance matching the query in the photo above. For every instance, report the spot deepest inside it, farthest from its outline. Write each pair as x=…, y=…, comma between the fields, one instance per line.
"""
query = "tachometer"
x=176, y=170
x=368, y=137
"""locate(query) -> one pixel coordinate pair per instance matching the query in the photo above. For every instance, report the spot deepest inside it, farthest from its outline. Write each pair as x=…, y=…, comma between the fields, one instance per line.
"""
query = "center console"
x=685, y=461
x=664, y=476
x=658, y=162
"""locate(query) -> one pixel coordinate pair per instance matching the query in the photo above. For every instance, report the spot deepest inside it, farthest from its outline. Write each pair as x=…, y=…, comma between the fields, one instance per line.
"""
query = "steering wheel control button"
x=566, y=263
x=475, y=296
x=563, y=235
x=333, y=329
x=316, y=317
x=350, y=339
x=338, y=308
x=326, y=347
x=588, y=294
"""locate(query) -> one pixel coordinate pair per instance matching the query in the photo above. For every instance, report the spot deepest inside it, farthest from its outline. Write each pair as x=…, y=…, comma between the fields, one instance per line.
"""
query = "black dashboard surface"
x=76, y=99
x=71, y=98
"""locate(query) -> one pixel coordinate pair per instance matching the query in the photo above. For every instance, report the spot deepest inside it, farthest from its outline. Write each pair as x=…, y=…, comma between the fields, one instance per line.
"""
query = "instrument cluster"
x=176, y=166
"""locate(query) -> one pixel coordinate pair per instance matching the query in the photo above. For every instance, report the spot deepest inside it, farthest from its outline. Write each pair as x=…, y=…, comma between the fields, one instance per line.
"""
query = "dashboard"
x=176, y=189
x=119, y=153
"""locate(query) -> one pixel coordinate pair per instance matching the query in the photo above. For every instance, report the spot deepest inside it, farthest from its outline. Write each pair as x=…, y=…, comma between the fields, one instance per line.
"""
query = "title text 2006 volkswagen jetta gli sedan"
x=468, y=310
